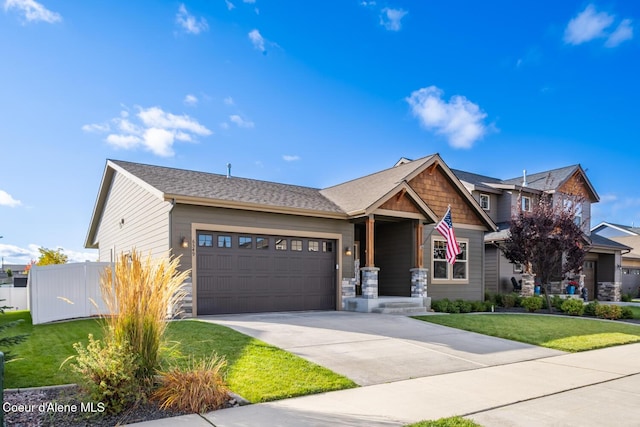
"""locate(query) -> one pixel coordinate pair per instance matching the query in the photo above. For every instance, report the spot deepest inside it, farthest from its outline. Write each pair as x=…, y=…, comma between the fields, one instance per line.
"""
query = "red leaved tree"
x=547, y=241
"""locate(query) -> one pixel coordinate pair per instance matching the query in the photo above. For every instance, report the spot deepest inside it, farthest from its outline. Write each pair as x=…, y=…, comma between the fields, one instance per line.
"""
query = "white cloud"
x=96, y=127
x=459, y=120
x=230, y=6
x=228, y=100
x=587, y=25
x=7, y=200
x=123, y=141
x=365, y=3
x=240, y=122
x=257, y=40
x=189, y=22
x=33, y=11
x=155, y=130
x=288, y=158
x=623, y=32
x=13, y=254
x=391, y=18
x=156, y=117
x=224, y=125
x=590, y=25
x=190, y=100
x=159, y=141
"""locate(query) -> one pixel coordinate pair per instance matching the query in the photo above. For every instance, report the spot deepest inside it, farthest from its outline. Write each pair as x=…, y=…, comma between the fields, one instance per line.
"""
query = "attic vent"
x=524, y=178
x=228, y=170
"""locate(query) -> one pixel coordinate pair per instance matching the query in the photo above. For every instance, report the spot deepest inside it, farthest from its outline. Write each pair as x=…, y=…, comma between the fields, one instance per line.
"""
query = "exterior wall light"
x=347, y=251
x=184, y=242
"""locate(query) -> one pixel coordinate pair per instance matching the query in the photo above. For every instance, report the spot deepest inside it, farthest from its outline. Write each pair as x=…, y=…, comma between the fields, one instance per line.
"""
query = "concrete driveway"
x=376, y=348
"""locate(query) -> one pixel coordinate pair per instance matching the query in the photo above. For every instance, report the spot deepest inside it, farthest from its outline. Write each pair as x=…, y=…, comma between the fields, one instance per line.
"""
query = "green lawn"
x=446, y=422
x=557, y=332
x=257, y=371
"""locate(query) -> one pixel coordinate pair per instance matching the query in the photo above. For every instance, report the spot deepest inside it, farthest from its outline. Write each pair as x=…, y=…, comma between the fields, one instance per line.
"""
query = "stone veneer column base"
x=528, y=284
x=419, y=282
x=370, y=282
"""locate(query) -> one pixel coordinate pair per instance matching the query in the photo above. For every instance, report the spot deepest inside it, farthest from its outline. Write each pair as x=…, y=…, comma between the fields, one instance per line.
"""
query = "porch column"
x=370, y=271
x=419, y=246
x=370, y=282
x=419, y=282
x=369, y=223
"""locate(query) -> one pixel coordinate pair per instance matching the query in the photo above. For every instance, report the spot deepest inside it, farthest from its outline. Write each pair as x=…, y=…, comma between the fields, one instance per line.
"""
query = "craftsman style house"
x=256, y=246
x=630, y=266
x=502, y=199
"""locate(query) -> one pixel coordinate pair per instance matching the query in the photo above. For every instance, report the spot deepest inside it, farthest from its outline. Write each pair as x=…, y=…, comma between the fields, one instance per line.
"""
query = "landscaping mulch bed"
x=54, y=406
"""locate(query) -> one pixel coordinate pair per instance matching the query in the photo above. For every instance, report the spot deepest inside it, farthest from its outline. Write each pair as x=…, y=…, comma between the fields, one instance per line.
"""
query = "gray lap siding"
x=474, y=289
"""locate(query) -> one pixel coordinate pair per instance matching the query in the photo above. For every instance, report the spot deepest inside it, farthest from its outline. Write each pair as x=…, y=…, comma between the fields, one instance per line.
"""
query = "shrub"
x=463, y=306
x=480, y=306
x=198, y=387
x=531, y=303
x=138, y=294
x=626, y=313
x=626, y=297
x=573, y=307
x=108, y=372
x=590, y=308
x=497, y=300
x=557, y=301
x=509, y=300
x=608, y=311
x=440, y=306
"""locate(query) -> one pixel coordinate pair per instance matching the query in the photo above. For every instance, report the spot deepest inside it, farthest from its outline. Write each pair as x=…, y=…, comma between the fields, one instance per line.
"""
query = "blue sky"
x=307, y=93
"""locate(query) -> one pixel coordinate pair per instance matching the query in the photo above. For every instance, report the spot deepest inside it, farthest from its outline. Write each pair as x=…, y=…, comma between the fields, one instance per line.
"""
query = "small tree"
x=50, y=256
x=547, y=241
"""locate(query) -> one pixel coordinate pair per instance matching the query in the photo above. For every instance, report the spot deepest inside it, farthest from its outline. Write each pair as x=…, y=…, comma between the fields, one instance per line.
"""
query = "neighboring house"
x=502, y=199
x=18, y=275
x=256, y=246
x=629, y=236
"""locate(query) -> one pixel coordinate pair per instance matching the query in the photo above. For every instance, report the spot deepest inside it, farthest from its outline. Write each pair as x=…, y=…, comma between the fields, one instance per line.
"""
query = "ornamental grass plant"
x=197, y=386
x=140, y=294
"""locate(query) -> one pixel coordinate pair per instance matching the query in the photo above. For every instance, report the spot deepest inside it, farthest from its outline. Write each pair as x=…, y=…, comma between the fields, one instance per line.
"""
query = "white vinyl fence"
x=16, y=298
x=65, y=291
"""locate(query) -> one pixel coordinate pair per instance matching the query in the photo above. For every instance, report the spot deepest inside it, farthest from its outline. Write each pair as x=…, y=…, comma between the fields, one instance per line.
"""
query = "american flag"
x=445, y=227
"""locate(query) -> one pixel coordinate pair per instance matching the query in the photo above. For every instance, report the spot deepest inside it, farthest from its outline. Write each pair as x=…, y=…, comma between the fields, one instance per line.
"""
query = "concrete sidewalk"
x=595, y=388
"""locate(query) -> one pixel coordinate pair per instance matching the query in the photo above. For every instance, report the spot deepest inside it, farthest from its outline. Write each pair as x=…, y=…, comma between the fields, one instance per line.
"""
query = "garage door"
x=251, y=273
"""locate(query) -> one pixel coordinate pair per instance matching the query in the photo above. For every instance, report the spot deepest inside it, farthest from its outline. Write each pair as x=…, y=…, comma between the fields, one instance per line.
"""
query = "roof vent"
x=228, y=170
x=524, y=178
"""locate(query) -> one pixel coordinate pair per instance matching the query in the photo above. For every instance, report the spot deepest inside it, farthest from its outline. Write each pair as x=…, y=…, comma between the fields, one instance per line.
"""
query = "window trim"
x=522, y=203
x=488, y=199
x=449, y=280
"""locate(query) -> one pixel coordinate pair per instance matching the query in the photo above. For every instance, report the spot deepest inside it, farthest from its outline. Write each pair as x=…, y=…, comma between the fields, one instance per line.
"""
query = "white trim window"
x=485, y=201
x=441, y=271
x=525, y=204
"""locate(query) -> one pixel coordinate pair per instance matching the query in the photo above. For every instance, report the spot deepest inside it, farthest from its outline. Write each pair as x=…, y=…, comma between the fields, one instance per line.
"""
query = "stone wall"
x=348, y=287
x=609, y=291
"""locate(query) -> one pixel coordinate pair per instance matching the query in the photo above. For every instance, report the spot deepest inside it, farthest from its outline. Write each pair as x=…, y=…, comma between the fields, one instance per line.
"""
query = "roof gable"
x=433, y=183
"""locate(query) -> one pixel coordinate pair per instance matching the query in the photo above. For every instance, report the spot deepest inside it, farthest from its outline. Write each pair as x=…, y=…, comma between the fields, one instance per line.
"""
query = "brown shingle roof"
x=203, y=185
x=361, y=193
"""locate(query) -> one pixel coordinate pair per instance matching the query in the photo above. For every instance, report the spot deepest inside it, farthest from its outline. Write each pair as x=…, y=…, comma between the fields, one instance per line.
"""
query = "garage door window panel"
x=205, y=240
x=224, y=241
x=245, y=242
x=281, y=244
x=262, y=243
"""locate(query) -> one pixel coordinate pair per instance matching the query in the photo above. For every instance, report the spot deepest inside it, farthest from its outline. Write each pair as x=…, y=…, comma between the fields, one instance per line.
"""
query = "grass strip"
x=556, y=332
